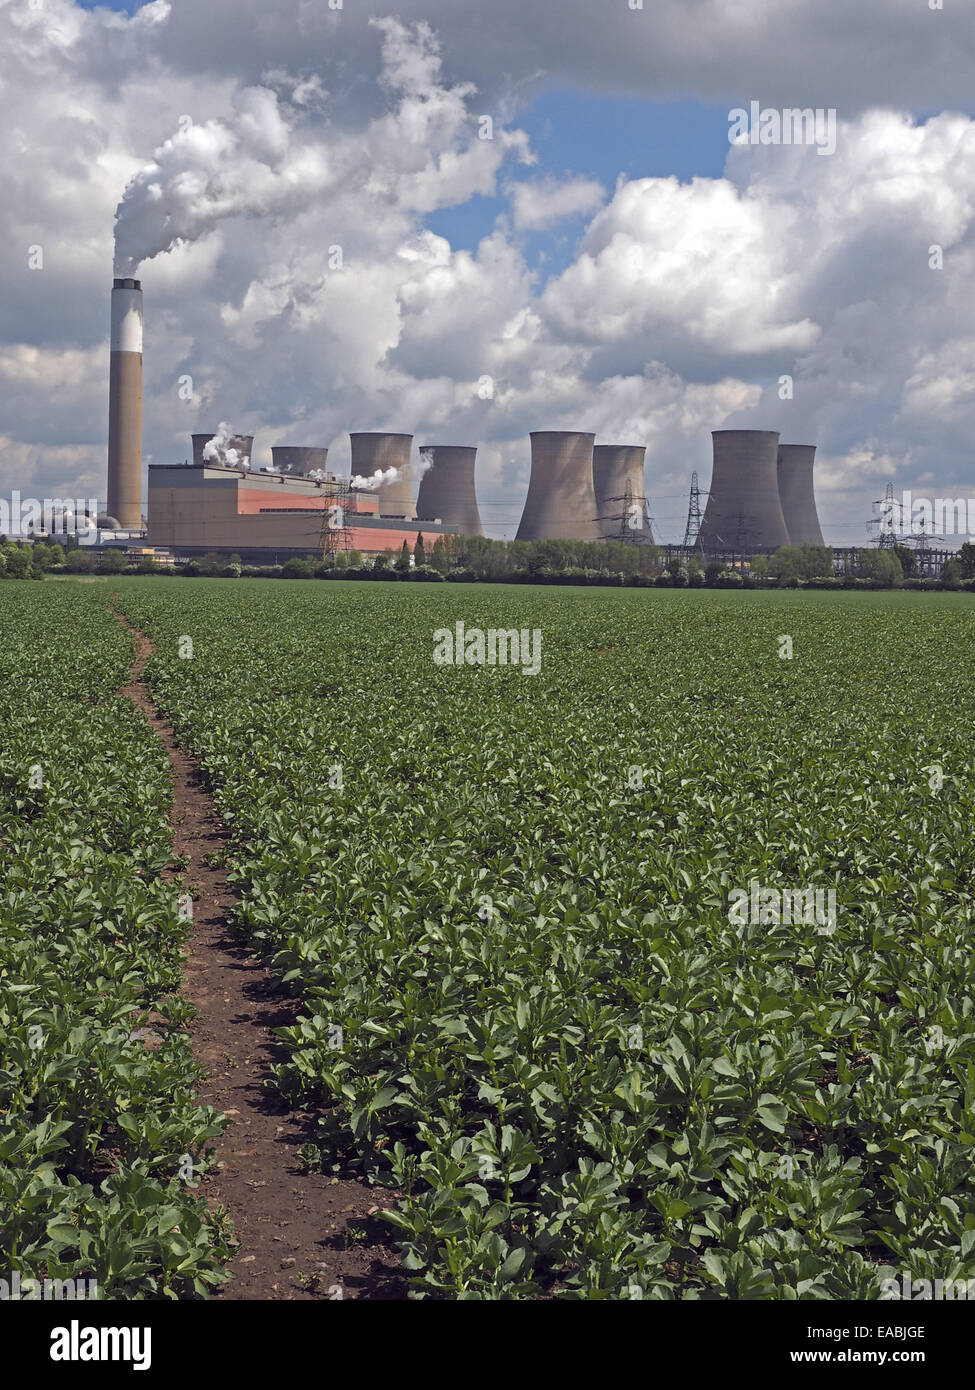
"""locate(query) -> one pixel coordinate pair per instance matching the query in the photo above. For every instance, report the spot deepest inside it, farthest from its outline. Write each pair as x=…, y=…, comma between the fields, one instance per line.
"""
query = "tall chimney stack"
x=125, y=406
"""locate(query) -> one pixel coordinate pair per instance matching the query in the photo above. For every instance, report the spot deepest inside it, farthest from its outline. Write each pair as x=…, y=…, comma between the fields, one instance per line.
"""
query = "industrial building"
x=219, y=502
x=744, y=512
x=242, y=444
x=379, y=453
x=797, y=494
x=447, y=487
x=761, y=495
x=266, y=517
x=617, y=475
x=561, y=501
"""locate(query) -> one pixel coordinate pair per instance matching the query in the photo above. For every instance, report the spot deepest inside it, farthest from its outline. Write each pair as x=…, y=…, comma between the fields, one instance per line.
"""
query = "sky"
x=327, y=241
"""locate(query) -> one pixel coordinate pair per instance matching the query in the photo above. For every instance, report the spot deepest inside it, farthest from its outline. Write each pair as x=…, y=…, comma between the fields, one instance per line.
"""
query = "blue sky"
x=594, y=135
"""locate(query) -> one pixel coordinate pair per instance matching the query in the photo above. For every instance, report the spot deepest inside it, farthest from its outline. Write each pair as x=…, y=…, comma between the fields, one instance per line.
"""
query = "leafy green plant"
x=526, y=1006
x=96, y=1127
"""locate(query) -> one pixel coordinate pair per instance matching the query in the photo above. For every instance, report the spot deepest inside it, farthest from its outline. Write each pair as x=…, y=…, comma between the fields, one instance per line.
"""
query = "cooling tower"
x=243, y=443
x=797, y=495
x=297, y=460
x=375, y=453
x=561, y=501
x=744, y=512
x=125, y=405
x=617, y=475
x=447, y=488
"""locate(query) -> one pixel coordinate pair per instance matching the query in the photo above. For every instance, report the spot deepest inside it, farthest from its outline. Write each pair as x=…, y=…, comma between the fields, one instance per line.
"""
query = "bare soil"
x=302, y=1235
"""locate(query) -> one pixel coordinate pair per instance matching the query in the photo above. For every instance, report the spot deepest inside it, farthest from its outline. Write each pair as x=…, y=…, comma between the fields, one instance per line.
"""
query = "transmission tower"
x=336, y=533
x=924, y=551
x=887, y=527
x=633, y=504
x=693, y=528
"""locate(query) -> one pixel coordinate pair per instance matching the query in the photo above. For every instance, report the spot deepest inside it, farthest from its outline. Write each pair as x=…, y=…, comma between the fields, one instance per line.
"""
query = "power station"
x=242, y=444
x=744, y=512
x=266, y=516
x=299, y=461
x=617, y=475
x=795, y=471
x=761, y=497
x=561, y=501
x=447, y=487
x=378, y=453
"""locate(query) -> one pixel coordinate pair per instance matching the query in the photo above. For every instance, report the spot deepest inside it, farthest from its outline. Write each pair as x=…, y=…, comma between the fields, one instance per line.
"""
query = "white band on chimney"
x=126, y=320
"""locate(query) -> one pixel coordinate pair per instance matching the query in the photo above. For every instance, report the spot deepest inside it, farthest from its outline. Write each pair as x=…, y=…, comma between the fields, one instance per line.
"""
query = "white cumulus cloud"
x=291, y=272
x=539, y=203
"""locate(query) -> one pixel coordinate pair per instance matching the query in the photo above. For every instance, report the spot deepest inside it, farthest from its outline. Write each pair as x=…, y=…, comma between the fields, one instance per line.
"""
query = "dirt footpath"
x=302, y=1236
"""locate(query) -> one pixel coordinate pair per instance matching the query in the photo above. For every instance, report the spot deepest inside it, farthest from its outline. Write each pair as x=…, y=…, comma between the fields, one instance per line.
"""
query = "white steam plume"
x=250, y=165
x=269, y=160
x=377, y=479
x=219, y=450
x=391, y=475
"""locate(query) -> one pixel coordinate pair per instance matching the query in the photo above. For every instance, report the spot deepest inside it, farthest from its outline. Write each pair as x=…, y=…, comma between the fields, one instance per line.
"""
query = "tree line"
x=477, y=559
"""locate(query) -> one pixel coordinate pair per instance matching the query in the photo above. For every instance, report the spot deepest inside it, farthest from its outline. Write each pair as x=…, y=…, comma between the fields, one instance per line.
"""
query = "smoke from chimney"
x=268, y=157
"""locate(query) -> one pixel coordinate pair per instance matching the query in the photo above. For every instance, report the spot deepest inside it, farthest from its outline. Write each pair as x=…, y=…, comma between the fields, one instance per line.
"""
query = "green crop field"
x=101, y=1141
x=537, y=923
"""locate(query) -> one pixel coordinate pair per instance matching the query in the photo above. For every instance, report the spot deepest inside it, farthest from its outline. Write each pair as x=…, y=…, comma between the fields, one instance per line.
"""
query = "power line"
x=633, y=506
